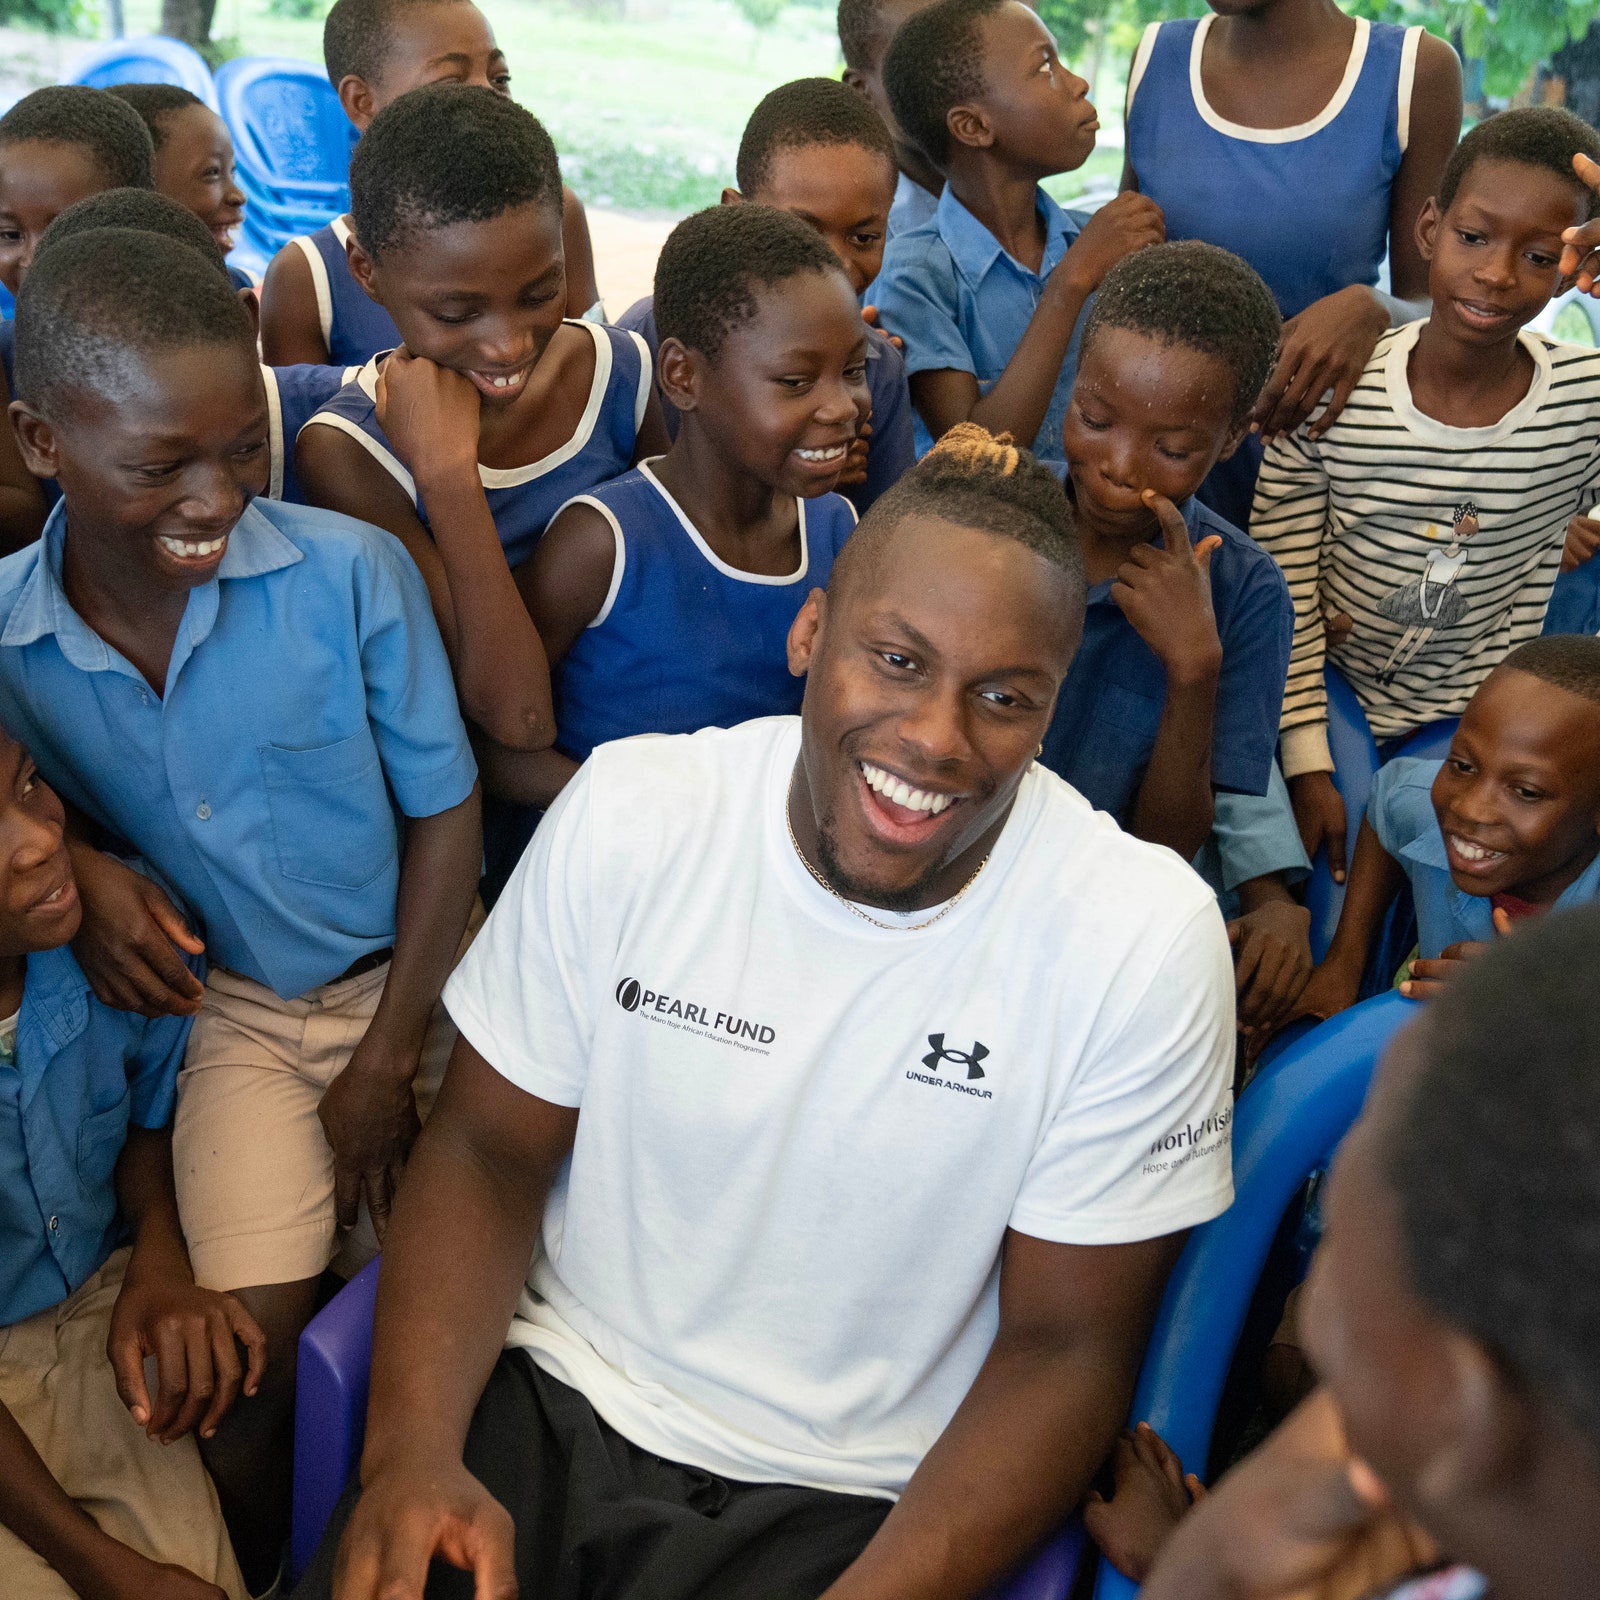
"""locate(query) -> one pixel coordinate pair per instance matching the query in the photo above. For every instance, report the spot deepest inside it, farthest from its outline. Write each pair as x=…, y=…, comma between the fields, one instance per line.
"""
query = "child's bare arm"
x=1375, y=879
x=578, y=248
x=291, y=331
x=1019, y=400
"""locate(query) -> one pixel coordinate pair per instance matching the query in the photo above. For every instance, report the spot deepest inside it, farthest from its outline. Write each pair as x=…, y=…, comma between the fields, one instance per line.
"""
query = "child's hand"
x=1583, y=539
x=1326, y=347
x=1271, y=962
x=191, y=1332
x=429, y=415
x=1150, y=1494
x=1331, y=988
x=855, y=462
x=1166, y=594
x=125, y=942
x=1337, y=626
x=1429, y=977
x=1580, y=248
x=1319, y=811
x=1117, y=229
x=869, y=315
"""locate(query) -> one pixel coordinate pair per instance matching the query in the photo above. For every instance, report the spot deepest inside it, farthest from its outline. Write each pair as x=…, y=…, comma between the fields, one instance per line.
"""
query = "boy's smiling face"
x=1518, y=796
x=480, y=298
x=1144, y=415
x=158, y=465
x=1493, y=255
x=194, y=166
x=39, y=178
x=843, y=191
x=39, y=907
x=783, y=395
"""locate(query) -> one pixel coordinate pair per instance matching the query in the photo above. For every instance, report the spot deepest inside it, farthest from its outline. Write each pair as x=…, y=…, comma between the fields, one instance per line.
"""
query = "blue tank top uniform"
x=8, y=360
x=632, y=670
x=293, y=395
x=1306, y=206
x=354, y=326
x=522, y=500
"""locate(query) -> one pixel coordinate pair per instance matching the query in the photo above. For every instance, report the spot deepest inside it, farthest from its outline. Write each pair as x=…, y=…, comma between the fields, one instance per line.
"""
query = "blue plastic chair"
x=1287, y=1125
x=330, y=1421
x=150, y=59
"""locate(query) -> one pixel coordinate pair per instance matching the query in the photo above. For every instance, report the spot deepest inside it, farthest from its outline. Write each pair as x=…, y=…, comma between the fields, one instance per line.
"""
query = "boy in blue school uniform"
x=101, y=1489
x=1506, y=827
x=814, y=148
x=988, y=295
x=253, y=696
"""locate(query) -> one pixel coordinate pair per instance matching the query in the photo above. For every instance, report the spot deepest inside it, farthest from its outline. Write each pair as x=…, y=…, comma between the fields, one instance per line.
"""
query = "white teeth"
x=834, y=452
x=191, y=547
x=901, y=793
x=1473, y=852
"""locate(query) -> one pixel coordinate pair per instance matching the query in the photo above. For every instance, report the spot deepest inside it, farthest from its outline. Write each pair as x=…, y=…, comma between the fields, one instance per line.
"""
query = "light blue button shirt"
x=83, y=1074
x=308, y=697
x=913, y=206
x=1400, y=809
x=1251, y=836
x=962, y=304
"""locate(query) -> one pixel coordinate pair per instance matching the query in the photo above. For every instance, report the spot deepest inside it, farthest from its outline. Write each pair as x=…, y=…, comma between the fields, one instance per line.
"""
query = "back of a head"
x=97, y=307
x=715, y=262
x=1533, y=136
x=445, y=154
x=357, y=36
x=155, y=101
x=935, y=62
x=1569, y=661
x=143, y=210
x=1494, y=1158
x=1200, y=297
x=809, y=111
x=977, y=480
x=861, y=33
x=110, y=129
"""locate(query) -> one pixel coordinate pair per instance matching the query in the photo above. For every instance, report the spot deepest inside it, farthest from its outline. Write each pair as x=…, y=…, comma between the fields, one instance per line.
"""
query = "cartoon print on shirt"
x=1433, y=601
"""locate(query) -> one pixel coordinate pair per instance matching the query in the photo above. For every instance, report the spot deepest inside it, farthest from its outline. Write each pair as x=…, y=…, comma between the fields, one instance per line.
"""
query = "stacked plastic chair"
x=150, y=59
x=292, y=144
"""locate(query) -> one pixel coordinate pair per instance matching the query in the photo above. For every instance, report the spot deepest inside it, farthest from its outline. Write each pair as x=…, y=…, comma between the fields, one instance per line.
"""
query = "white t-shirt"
x=774, y=1252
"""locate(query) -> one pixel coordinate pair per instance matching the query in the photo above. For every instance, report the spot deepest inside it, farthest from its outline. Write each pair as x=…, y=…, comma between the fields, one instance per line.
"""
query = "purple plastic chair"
x=330, y=1419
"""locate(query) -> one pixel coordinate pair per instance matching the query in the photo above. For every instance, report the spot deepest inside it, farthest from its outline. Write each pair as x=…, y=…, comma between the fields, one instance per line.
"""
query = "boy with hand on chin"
x=1507, y=826
x=102, y=1492
x=252, y=695
x=987, y=295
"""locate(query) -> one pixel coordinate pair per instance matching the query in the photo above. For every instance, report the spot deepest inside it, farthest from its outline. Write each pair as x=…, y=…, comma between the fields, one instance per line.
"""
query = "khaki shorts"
x=254, y=1169
x=56, y=1381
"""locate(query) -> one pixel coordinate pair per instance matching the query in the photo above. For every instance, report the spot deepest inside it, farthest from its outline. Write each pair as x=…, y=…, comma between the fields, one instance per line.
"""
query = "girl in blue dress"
x=1306, y=141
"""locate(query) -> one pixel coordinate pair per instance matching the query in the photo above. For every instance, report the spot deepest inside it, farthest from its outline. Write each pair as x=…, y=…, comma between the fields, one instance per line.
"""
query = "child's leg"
x=156, y=1499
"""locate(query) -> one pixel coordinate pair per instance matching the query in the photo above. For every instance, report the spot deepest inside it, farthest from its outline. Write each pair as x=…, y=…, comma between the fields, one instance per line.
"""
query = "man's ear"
x=679, y=372
x=361, y=266
x=969, y=125
x=1484, y=1432
x=1427, y=229
x=732, y=197
x=252, y=304
x=36, y=440
x=805, y=631
x=358, y=99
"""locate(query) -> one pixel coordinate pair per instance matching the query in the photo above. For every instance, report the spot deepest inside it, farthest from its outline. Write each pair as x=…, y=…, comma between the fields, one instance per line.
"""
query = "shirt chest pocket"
x=100, y=1140
x=331, y=819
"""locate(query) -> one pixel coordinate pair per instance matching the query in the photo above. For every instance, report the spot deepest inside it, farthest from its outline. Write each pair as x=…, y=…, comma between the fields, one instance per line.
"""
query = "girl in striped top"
x=1432, y=514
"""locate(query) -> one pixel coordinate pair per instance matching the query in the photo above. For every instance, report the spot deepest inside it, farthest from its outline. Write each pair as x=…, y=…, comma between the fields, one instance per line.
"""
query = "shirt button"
x=203, y=811
x=55, y=1224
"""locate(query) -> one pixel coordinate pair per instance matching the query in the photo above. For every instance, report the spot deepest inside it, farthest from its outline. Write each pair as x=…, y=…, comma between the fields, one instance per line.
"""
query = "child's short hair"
x=1535, y=136
x=143, y=210
x=1201, y=297
x=444, y=154
x=809, y=111
x=1568, y=661
x=714, y=262
x=935, y=62
x=71, y=113
x=358, y=35
x=95, y=304
x=153, y=102
x=979, y=480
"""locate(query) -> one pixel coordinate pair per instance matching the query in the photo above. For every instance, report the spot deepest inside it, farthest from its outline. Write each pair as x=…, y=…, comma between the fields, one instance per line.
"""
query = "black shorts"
x=598, y=1518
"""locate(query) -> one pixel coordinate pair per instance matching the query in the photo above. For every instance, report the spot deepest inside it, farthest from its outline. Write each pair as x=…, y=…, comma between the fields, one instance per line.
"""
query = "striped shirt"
x=1441, y=543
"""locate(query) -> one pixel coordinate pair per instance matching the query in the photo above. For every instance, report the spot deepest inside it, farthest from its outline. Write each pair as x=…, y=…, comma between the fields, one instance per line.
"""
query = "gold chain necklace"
x=850, y=905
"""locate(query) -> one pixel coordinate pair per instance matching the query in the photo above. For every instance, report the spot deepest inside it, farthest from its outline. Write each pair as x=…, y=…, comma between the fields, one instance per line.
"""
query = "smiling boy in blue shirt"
x=255, y=697
x=987, y=296
x=100, y=1484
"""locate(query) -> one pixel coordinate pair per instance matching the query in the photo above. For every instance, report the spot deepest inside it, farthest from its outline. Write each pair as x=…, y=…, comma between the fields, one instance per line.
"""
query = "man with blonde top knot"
x=851, y=1083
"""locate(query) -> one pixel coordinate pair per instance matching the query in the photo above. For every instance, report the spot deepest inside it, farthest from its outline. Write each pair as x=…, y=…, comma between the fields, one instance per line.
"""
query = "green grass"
x=645, y=110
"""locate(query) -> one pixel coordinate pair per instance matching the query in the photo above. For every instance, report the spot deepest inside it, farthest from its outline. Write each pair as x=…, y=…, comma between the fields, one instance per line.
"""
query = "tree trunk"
x=189, y=20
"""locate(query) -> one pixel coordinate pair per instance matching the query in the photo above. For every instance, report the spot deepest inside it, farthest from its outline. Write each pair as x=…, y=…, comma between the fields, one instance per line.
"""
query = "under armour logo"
x=970, y=1062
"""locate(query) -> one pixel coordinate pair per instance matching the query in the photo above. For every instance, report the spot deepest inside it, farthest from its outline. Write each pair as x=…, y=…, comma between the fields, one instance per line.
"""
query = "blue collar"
x=1428, y=850
x=254, y=547
x=55, y=1010
x=974, y=249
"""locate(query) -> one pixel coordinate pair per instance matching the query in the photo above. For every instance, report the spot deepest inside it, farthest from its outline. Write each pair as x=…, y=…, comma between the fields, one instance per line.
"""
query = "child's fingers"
x=127, y=1367
x=1174, y=530
x=1197, y=1490
x=1502, y=920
